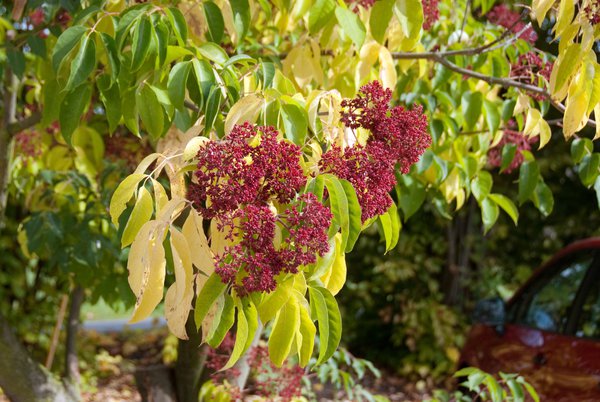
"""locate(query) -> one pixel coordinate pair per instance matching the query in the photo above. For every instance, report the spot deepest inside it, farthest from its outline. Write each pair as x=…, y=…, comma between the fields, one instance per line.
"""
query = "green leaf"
x=508, y=108
x=111, y=53
x=205, y=80
x=212, y=289
x=508, y=155
x=489, y=213
x=482, y=185
x=226, y=321
x=285, y=327
x=352, y=25
x=581, y=147
x=381, y=14
x=543, y=198
x=213, y=105
x=295, y=123
x=130, y=111
x=410, y=196
x=83, y=64
x=142, y=36
x=65, y=43
x=16, y=61
x=492, y=115
x=141, y=213
x=251, y=315
x=213, y=52
x=241, y=17
x=326, y=311
x=178, y=24
x=354, y=214
x=275, y=300
x=507, y=205
x=588, y=169
x=339, y=207
x=72, y=109
x=161, y=36
x=177, y=83
x=122, y=195
x=390, y=225
x=471, y=107
x=516, y=390
x=241, y=337
x=529, y=175
x=111, y=98
x=129, y=17
x=216, y=24
x=410, y=15
x=320, y=14
x=151, y=111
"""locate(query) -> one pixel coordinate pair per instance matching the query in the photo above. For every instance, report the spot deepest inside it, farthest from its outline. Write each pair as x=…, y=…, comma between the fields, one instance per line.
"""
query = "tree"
x=283, y=112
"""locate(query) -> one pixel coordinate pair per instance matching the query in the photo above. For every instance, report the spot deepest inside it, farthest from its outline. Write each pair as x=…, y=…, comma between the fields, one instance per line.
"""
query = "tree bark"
x=21, y=378
x=71, y=373
x=190, y=364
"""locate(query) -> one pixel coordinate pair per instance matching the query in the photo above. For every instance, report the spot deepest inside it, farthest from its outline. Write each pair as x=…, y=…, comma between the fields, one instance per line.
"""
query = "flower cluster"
x=592, y=12
x=516, y=138
x=238, y=179
x=267, y=380
x=365, y=3
x=250, y=166
x=505, y=17
x=431, y=13
x=27, y=143
x=398, y=139
x=529, y=68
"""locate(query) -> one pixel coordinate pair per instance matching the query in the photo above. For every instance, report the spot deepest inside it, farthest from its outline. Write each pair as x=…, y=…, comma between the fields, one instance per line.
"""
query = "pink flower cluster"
x=592, y=12
x=516, y=138
x=237, y=178
x=398, y=139
x=431, y=13
x=528, y=68
x=502, y=15
x=27, y=143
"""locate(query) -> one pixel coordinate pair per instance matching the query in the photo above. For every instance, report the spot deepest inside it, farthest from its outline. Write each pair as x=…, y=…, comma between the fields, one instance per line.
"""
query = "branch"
x=24, y=124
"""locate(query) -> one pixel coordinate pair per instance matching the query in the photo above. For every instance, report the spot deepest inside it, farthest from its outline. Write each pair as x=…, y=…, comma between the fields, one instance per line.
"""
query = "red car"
x=549, y=332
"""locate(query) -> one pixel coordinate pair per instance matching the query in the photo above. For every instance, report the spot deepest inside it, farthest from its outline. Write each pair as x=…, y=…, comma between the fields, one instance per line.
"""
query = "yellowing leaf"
x=369, y=53
x=122, y=194
x=531, y=123
x=244, y=110
x=177, y=311
x=146, y=265
x=545, y=133
x=335, y=277
x=193, y=146
x=160, y=195
x=308, y=331
x=566, y=11
x=285, y=326
x=201, y=255
x=597, y=116
x=387, y=69
x=141, y=213
x=540, y=8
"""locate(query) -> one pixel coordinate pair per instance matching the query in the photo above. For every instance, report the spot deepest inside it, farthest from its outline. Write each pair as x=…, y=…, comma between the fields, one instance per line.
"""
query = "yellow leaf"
x=597, y=116
x=146, y=265
x=244, y=110
x=141, y=213
x=218, y=240
x=308, y=331
x=574, y=114
x=566, y=11
x=160, y=195
x=193, y=146
x=387, y=69
x=182, y=263
x=201, y=255
x=540, y=8
x=545, y=133
x=171, y=210
x=146, y=162
x=335, y=277
x=368, y=56
x=122, y=194
x=177, y=311
x=531, y=122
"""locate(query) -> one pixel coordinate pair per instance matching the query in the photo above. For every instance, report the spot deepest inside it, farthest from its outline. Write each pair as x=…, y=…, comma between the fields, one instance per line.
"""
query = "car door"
x=538, y=332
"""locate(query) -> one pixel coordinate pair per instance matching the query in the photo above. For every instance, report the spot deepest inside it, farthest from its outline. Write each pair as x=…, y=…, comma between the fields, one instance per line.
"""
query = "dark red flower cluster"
x=502, y=15
x=529, y=68
x=37, y=17
x=27, y=143
x=257, y=258
x=592, y=12
x=431, y=13
x=126, y=149
x=398, y=139
x=249, y=166
x=268, y=380
x=521, y=142
x=237, y=178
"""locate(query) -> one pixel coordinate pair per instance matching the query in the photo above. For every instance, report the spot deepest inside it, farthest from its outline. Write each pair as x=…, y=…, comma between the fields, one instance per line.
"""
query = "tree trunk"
x=71, y=373
x=190, y=363
x=21, y=378
x=155, y=383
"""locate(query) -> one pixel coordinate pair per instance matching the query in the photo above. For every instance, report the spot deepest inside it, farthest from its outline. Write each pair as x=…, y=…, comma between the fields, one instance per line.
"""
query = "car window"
x=589, y=322
x=549, y=300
